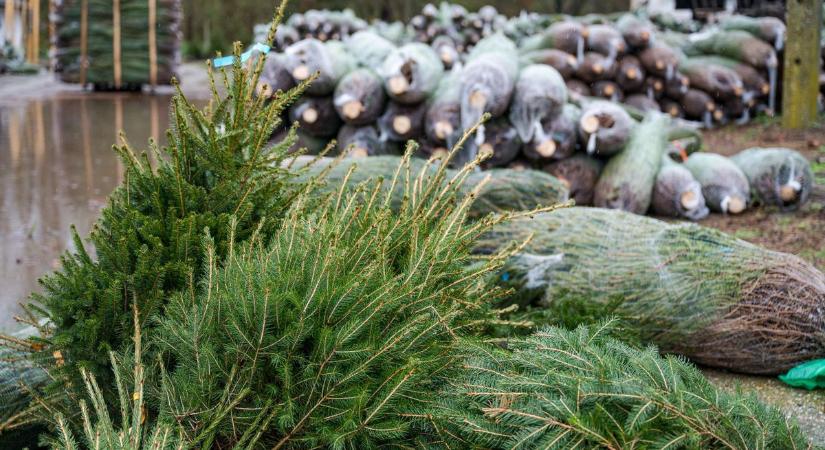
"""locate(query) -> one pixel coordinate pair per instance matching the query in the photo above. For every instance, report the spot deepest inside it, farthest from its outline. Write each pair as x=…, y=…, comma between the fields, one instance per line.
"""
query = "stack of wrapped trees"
x=117, y=44
x=371, y=96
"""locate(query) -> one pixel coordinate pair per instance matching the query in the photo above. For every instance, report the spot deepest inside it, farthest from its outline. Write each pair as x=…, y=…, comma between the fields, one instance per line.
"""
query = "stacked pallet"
x=117, y=44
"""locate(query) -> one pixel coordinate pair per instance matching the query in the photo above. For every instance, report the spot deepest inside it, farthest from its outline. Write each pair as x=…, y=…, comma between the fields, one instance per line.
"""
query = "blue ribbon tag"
x=228, y=60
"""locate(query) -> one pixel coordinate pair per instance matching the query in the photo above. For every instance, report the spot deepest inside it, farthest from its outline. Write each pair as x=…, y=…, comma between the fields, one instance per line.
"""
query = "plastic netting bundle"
x=504, y=189
x=411, y=73
x=778, y=176
x=698, y=292
x=369, y=48
x=677, y=194
x=540, y=94
x=488, y=79
x=329, y=59
x=17, y=374
x=724, y=185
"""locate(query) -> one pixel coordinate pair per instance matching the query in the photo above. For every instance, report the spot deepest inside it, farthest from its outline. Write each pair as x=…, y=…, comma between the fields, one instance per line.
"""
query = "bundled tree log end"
x=539, y=96
x=275, y=76
x=546, y=149
x=316, y=115
x=412, y=73
x=400, y=123
x=608, y=90
x=677, y=194
x=359, y=97
x=630, y=75
x=301, y=72
x=579, y=173
x=659, y=60
x=654, y=87
x=398, y=85
x=564, y=62
x=589, y=123
x=698, y=105
x=605, y=126
x=724, y=186
x=671, y=107
x=501, y=144
x=443, y=129
x=351, y=110
x=596, y=66
x=694, y=291
x=778, y=176
x=488, y=80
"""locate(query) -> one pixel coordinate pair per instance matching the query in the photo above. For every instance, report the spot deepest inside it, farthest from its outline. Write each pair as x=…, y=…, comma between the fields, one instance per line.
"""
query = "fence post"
x=34, y=57
x=800, y=86
x=9, y=23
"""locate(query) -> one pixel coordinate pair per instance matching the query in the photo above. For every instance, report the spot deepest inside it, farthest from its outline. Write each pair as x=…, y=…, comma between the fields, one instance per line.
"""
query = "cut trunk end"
x=398, y=85
x=589, y=123
x=689, y=200
x=486, y=150
x=264, y=90
x=546, y=148
x=789, y=192
x=478, y=100
x=443, y=129
x=301, y=72
x=352, y=109
x=733, y=204
x=310, y=115
x=401, y=124
x=358, y=152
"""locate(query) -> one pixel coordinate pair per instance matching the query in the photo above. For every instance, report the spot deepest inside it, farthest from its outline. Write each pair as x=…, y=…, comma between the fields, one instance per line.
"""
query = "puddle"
x=57, y=168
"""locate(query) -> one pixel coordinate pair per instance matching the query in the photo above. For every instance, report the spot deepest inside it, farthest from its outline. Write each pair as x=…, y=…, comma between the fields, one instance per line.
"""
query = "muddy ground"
x=801, y=233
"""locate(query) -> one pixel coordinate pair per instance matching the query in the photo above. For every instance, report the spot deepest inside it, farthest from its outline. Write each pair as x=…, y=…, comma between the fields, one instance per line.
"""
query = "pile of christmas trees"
x=117, y=44
x=234, y=302
x=371, y=96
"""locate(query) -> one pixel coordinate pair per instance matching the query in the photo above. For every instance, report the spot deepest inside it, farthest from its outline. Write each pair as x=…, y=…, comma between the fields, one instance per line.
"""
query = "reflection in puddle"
x=57, y=168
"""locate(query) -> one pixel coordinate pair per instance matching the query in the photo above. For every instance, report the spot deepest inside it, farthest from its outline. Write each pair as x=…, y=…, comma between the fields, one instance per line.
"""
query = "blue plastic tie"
x=228, y=60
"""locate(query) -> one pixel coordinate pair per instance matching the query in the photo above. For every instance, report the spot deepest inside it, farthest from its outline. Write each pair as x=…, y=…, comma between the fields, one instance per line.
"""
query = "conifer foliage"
x=560, y=389
x=132, y=431
x=342, y=324
x=217, y=167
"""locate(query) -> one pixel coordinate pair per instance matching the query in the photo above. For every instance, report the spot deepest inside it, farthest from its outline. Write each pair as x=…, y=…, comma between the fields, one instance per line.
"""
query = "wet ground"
x=57, y=168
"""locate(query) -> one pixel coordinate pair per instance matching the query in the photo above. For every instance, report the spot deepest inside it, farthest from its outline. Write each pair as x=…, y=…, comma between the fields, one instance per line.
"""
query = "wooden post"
x=9, y=24
x=116, y=42
x=153, y=44
x=800, y=85
x=35, y=18
x=84, y=41
x=52, y=35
